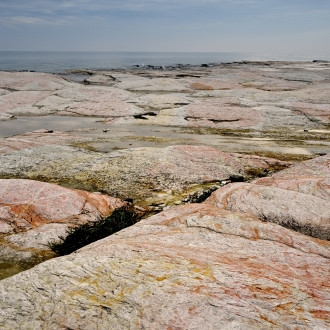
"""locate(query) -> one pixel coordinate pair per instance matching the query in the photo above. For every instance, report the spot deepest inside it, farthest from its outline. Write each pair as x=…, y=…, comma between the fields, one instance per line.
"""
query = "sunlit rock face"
x=297, y=198
x=32, y=204
x=192, y=266
x=155, y=175
x=33, y=214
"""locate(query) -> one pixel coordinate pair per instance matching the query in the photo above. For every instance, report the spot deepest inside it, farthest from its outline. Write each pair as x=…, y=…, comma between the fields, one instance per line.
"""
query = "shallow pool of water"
x=26, y=124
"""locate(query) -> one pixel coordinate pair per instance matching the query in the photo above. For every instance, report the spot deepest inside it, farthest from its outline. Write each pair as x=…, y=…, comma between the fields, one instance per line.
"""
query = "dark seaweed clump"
x=85, y=234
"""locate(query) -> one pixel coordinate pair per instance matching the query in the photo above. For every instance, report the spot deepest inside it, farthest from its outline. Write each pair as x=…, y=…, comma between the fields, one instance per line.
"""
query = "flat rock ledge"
x=194, y=266
x=147, y=174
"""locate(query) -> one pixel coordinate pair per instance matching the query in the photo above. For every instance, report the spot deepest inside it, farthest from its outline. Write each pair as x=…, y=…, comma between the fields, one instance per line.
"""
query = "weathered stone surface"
x=98, y=101
x=31, y=204
x=312, y=185
x=33, y=213
x=214, y=84
x=39, y=237
x=192, y=267
x=35, y=138
x=303, y=212
x=320, y=112
x=319, y=167
x=21, y=102
x=258, y=162
x=277, y=97
x=275, y=85
x=158, y=101
x=153, y=174
x=209, y=112
x=30, y=81
x=142, y=84
x=44, y=94
x=297, y=197
x=100, y=79
x=309, y=177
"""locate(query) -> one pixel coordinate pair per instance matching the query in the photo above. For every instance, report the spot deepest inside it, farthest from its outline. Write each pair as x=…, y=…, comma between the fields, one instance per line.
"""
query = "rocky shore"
x=235, y=157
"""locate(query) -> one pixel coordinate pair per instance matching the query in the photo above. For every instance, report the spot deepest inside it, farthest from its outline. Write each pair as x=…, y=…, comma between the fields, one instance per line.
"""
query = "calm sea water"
x=61, y=61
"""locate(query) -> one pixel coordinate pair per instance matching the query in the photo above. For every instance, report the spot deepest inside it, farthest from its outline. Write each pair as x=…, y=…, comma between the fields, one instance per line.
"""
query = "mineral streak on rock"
x=193, y=266
x=32, y=204
x=302, y=212
x=33, y=213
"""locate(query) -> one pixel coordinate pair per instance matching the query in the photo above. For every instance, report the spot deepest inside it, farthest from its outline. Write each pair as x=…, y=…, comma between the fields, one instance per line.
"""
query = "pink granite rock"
x=312, y=185
x=30, y=204
x=258, y=162
x=297, y=197
x=33, y=214
x=191, y=267
x=30, y=81
x=211, y=112
x=214, y=84
x=100, y=102
x=275, y=85
x=21, y=102
x=148, y=175
x=320, y=112
x=35, y=138
x=316, y=167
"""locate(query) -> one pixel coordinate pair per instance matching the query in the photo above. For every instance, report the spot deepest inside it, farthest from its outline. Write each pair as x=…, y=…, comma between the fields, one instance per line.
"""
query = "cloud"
x=64, y=11
x=52, y=12
x=47, y=6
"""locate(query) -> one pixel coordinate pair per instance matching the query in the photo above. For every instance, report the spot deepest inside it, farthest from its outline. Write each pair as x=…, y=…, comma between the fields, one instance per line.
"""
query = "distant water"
x=62, y=61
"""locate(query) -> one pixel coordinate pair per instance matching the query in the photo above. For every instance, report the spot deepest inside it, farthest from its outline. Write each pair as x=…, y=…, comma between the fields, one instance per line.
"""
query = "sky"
x=264, y=26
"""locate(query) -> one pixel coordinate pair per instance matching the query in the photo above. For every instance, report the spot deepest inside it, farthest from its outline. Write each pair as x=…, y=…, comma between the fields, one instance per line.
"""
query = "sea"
x=56, y=62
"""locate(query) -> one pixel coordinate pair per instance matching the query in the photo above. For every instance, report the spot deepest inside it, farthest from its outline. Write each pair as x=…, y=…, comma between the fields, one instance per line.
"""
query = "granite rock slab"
x=193, y=266
x=149, y=175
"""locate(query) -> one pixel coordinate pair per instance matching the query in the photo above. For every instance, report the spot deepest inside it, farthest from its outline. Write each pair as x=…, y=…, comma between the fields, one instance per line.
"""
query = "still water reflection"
x=56, y=123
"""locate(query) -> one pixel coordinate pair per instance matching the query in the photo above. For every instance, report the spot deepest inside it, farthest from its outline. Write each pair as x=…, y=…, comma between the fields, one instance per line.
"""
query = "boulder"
x=33, y=213
x=31, y=204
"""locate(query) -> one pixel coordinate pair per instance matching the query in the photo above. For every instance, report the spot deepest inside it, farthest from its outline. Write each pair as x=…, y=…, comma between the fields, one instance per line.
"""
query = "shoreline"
x=176, y=66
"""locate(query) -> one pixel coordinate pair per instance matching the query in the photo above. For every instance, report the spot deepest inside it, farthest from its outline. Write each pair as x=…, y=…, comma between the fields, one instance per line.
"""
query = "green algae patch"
x=14, y=260
x=283, y=156
x=88, y=233
x=12, y=267
x=84, y=145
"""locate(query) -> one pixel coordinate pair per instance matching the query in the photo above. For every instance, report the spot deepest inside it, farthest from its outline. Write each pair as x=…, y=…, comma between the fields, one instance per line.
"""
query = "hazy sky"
x=290, y=26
